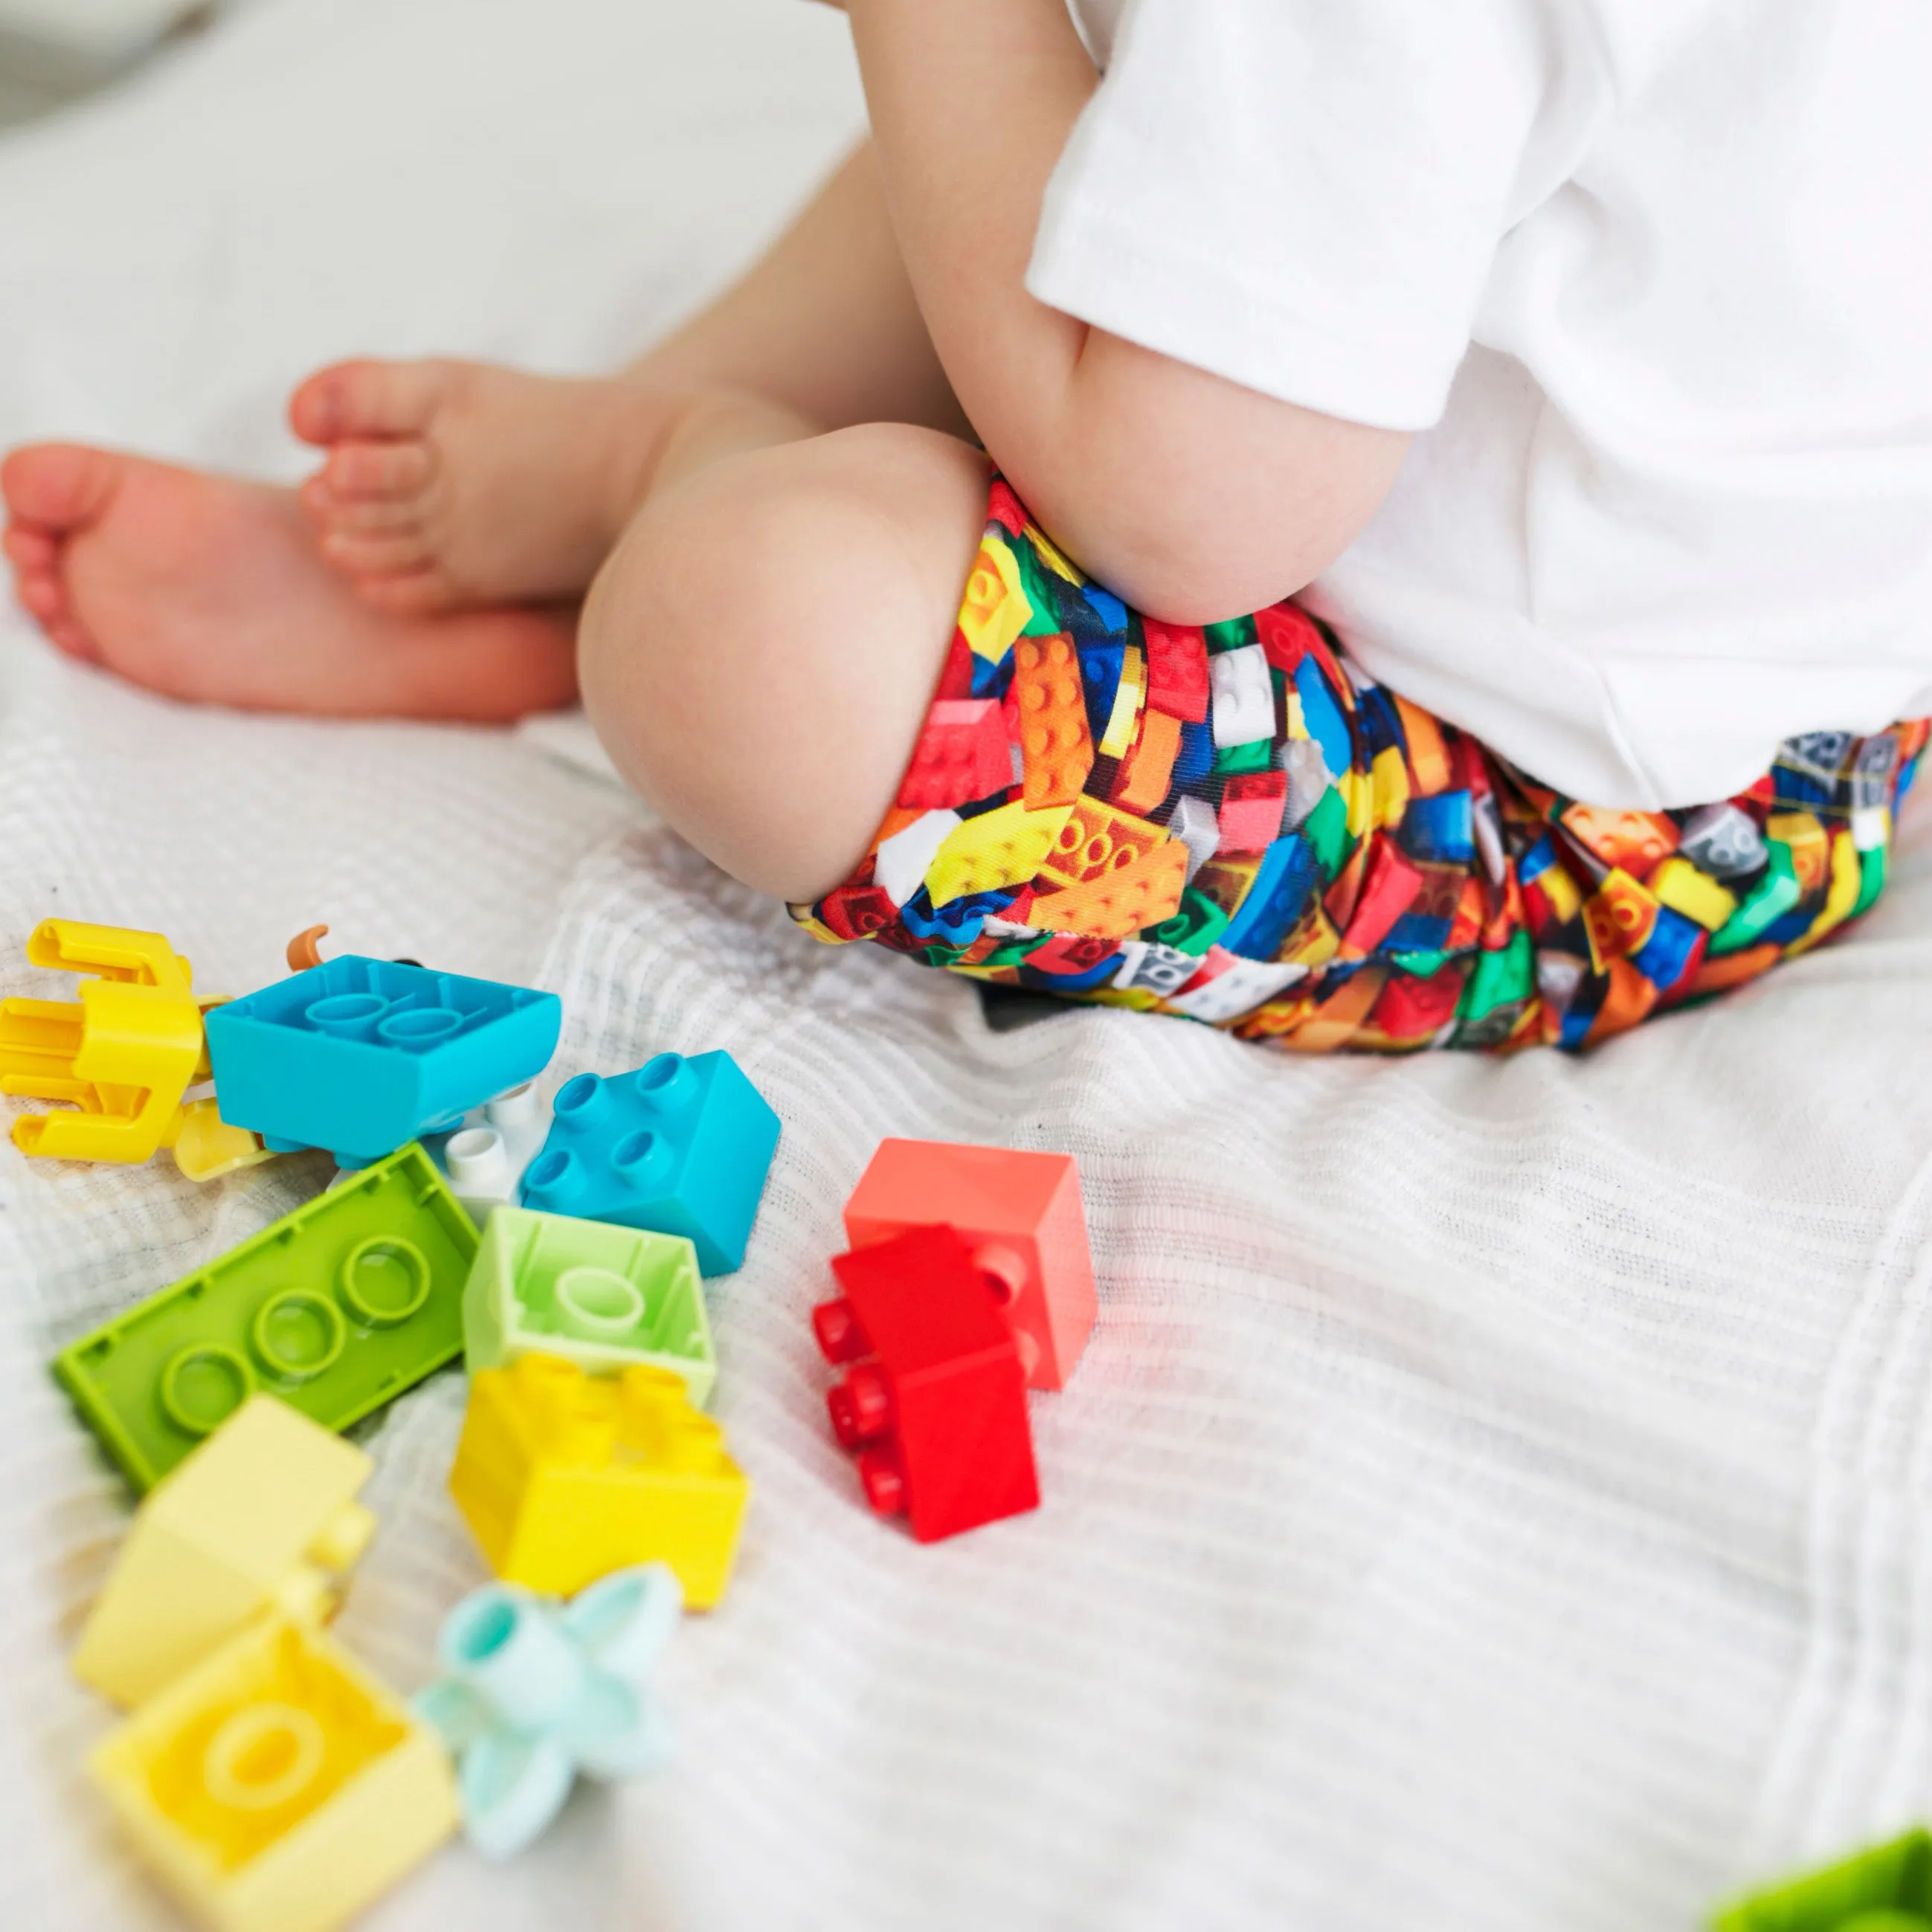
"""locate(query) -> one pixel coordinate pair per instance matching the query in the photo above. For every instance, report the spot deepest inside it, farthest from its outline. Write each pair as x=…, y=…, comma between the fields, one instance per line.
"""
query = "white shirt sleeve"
x=1302, y=196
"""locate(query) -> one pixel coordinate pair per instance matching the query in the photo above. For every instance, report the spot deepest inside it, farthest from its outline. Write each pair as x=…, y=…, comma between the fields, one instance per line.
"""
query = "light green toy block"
x=606, y=1298
x=1886, y=1889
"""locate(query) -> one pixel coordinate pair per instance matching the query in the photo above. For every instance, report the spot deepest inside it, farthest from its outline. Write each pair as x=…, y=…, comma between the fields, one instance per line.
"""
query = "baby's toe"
x=382, y=516
x=42, y=596
x=375, y=553
x=379, y=471
x=27, y=550
x=408, y=593
x=68, y=636
x=367, y=398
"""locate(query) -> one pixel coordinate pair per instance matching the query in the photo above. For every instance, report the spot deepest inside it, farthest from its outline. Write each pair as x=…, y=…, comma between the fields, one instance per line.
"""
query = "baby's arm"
x=1194, y=498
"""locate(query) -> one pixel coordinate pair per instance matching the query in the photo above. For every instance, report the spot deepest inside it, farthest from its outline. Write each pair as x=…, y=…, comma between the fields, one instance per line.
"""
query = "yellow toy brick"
x=263, y=1516
x=1001, y=848
x=1681, y=886
x=278, y=1786
x=1129, y=694
x=123, y=1055
x=995, y=609
x=564, y=1478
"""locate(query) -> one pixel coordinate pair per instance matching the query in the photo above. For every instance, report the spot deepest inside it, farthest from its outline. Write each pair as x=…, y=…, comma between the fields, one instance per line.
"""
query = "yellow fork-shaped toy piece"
x=125, y=1055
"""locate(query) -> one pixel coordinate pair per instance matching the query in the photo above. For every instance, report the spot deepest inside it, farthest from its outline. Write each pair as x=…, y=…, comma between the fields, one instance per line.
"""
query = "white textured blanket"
x=1495, y=1496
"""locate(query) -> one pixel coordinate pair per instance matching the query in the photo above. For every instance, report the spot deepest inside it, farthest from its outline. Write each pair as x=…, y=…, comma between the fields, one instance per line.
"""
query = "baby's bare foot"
x=207, y=588
x=452, y=485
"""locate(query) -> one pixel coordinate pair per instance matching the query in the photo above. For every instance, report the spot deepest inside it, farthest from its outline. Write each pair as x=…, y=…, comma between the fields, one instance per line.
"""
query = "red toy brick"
x=857, y=912
x=962, y=755
x=1176, y=670
x=1069, y=953
x=955, y=678
x=1288, y=634
x=1388, y=891
x=1252, y=805
x=1019, y=1213
x=934, y=1402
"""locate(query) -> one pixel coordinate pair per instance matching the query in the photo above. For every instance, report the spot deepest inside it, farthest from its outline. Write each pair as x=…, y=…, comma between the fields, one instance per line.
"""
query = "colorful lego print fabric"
x=1234, y=824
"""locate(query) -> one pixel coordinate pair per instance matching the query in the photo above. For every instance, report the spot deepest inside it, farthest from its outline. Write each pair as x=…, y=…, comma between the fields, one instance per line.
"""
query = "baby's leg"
x=451, y=485
x=759, y=652
x=463, y=509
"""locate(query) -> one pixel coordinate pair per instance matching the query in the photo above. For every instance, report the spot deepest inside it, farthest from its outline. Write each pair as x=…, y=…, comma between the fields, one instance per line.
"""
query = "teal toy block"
x=354, y=1297
x=537, y=1694
x=680, y=1147
x=360, y=1056
x=1886, y=1889
x=606, y=1298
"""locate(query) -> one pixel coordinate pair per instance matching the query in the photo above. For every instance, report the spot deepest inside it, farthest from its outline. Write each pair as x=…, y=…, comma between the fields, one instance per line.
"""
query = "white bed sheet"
x=1495, y=1496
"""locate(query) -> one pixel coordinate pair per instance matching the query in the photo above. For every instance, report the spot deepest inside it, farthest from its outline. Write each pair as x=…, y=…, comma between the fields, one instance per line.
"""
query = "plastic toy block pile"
x=268, y=1778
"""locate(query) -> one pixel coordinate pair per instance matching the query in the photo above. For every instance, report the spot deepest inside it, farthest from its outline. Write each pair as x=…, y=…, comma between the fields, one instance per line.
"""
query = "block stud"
x=841, y=1338
x=580, y=1101
x=883, y=1482
x=861, y=1406
x=644, y=1158
x=478, y=1160
x=666, y=1084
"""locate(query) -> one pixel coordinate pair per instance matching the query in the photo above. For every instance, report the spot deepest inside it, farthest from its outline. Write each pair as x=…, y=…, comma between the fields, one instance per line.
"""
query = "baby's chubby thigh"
x=758, y=653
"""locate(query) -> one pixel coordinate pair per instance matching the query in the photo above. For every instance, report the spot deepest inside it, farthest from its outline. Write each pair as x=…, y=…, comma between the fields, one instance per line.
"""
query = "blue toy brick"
x=360, y=1056
x=1576, y=1026
x=1195, y=758
x=957, y=923
x=1323, y=716
x=1084, y=981
x=1272, y=904
x=679, y=1147
x=1441, y=828
x=1376, y=713
x=1105, y=605
x=1417, y=932
x=1666, y=952
x=1102, y=660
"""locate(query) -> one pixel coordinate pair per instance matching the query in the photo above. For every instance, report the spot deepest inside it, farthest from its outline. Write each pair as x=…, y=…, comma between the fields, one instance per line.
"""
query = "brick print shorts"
x=1234, y=824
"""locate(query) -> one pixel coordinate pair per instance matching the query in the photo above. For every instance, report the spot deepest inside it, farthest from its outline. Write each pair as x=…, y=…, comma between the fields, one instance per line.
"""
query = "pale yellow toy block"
x=206, y=1147
x=1003, y=847
x=278, y=1786
x=263, y=1516
x=1683, y=888
x=564, y=1477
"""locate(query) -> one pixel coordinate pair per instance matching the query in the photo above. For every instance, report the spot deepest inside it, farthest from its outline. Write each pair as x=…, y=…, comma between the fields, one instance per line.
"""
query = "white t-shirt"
x=1652, y=278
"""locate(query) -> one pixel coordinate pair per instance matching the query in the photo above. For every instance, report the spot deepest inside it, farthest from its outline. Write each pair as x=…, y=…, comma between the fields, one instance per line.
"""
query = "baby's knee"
x=758, y=653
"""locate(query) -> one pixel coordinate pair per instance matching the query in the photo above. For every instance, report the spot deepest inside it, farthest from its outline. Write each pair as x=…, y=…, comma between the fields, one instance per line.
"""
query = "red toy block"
x=933, y=1402
x=1176, y=670
x=857, y=912
x=1388, y=891
x=1020, y=1215
x=1288, y=634
x=1252, y=805
x=962, y=755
